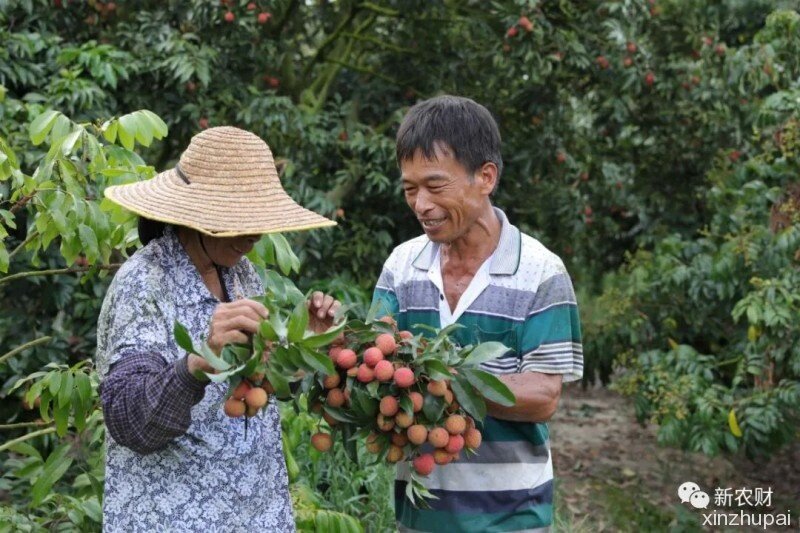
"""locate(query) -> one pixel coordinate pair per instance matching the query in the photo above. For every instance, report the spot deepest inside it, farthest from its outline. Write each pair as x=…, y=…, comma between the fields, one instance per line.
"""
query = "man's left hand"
x=321, y=311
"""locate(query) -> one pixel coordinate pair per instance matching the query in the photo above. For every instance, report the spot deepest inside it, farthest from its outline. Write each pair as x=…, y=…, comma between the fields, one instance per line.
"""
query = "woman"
x=174, y=461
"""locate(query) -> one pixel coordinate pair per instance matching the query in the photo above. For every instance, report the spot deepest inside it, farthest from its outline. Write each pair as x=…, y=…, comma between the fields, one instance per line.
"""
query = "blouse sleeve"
x=146, y=400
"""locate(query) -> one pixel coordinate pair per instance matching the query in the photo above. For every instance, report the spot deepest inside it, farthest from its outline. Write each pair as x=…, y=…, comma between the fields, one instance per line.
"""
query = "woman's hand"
x=321, y=311
x=233, y=322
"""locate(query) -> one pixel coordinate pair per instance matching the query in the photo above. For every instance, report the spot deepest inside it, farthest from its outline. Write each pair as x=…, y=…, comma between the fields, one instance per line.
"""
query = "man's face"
x=442, y=195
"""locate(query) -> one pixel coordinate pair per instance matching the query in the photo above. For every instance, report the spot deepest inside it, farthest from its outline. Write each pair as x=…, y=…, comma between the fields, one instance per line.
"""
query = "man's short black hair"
x=462, y=125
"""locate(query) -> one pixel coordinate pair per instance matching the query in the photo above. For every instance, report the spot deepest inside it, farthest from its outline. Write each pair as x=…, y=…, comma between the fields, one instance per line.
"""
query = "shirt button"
x=441, y=296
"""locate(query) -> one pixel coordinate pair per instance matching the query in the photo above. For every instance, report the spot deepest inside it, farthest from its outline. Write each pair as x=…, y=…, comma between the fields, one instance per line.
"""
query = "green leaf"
x=316, y=361
x=433, y=407
x=56, y=466
x=211, y=358
x=61, y=416
x=89, y=240
x=182, y=338
x=340, y=414
x=110, y=130
x=490, y=386
x=42, y=125
x=160, y=129
x=323, y=339
x=486, y=351
x=298, y=322
x=407, y=405
x=436, y=369
x=267, y=331
x=472, y=402
x=65, y=391
x=127, y=131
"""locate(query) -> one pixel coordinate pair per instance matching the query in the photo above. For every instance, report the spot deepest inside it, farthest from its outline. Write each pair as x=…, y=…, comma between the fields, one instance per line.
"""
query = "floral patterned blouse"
x=174, y=461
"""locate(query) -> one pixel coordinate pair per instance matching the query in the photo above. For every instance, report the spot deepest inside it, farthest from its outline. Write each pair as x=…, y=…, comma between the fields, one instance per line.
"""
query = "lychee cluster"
x=384, y=371
x=247, y=398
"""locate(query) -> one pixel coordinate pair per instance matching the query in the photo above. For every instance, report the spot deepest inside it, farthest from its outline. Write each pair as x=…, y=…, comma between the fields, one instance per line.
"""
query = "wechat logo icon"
x=690, y=492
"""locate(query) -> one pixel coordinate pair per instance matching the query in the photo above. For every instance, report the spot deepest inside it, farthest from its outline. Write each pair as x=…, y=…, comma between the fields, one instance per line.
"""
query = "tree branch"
x=24, y=425
x=23, y=438
x=30, y=237
x=31, y=273
x=18, y=349
x=323, y=48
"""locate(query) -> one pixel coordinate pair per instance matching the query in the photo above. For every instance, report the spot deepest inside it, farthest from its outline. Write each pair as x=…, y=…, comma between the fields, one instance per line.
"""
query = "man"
x=473, y=267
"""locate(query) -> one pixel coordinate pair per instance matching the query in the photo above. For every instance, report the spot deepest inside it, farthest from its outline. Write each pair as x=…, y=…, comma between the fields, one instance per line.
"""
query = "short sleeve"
x=384, y=297
x=551, y=335
x=132, y=321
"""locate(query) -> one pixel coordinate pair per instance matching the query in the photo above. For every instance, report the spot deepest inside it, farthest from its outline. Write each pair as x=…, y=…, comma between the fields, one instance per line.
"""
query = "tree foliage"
x=650, y=143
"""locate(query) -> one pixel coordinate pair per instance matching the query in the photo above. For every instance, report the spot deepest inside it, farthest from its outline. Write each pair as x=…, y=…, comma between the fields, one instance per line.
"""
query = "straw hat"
x=224, y=185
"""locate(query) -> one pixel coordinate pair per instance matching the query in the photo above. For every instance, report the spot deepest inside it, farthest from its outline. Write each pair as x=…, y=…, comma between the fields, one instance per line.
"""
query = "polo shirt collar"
x=505, y=260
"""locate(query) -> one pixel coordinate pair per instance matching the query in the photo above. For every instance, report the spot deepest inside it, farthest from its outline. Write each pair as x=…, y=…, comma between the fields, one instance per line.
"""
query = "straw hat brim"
x=215, y=210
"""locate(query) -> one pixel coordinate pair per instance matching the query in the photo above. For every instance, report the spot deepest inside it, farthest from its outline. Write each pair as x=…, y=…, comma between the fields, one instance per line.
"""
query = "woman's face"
x=228, y=251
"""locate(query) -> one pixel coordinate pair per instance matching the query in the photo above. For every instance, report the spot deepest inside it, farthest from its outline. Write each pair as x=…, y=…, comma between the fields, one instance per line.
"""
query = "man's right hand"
x=233, y=321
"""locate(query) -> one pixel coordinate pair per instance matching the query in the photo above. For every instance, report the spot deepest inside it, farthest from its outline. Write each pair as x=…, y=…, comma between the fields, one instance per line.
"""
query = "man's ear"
x=487, y=177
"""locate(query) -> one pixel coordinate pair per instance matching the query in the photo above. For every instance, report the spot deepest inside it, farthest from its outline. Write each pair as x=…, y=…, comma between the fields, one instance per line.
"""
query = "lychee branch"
x=56, y=271
x=18, y=349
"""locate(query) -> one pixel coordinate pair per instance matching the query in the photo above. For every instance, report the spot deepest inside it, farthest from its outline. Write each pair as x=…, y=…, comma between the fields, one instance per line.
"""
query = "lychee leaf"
x=407, y=405
x=433, y=407
x=340, y=415
x=486, y=351
x=472, y=402
x=182, y=338
x=325, y=338
x=298, y=322
x=316, y=361
x=490, y=386
x=436, y=369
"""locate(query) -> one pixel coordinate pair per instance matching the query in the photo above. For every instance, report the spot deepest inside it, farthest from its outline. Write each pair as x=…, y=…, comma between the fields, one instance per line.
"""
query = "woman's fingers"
x=239, y=323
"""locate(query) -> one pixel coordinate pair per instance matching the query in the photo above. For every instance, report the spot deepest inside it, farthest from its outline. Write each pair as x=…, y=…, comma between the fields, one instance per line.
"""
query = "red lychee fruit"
x=525, y=23
x=389, y=406
x=365, y=374
x=455, y=424
x=404, y=377
x=631, y=47
x=386, y=344
x=347, y=359
x=403, y=419
x=372, y=356
x=394, y=454
x=417, y=400
x=335, y=398
x=473, y=438
x=455, y=444
x=424, y=464
x=417, y=434
x=385, y=423
x=234, y=408
x=384, y=370
x=437, y=388
x=264, y=17
x=512, y=32
x=399, y=439
x=442, y=457
x=332, y=381
x=241, y=390
x=322, y=441
x=229, y=16
x=438, y=437
x=256, y=397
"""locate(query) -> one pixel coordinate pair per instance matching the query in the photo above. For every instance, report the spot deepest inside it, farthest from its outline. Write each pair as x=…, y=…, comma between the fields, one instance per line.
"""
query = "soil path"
x=613, y=476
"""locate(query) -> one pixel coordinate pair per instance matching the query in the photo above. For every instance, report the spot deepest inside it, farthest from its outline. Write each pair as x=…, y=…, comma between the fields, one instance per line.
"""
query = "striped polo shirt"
x=522, y=296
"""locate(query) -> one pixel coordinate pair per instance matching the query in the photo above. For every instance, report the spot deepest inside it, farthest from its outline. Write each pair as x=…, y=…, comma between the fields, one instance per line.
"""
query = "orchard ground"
x=613, y=476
